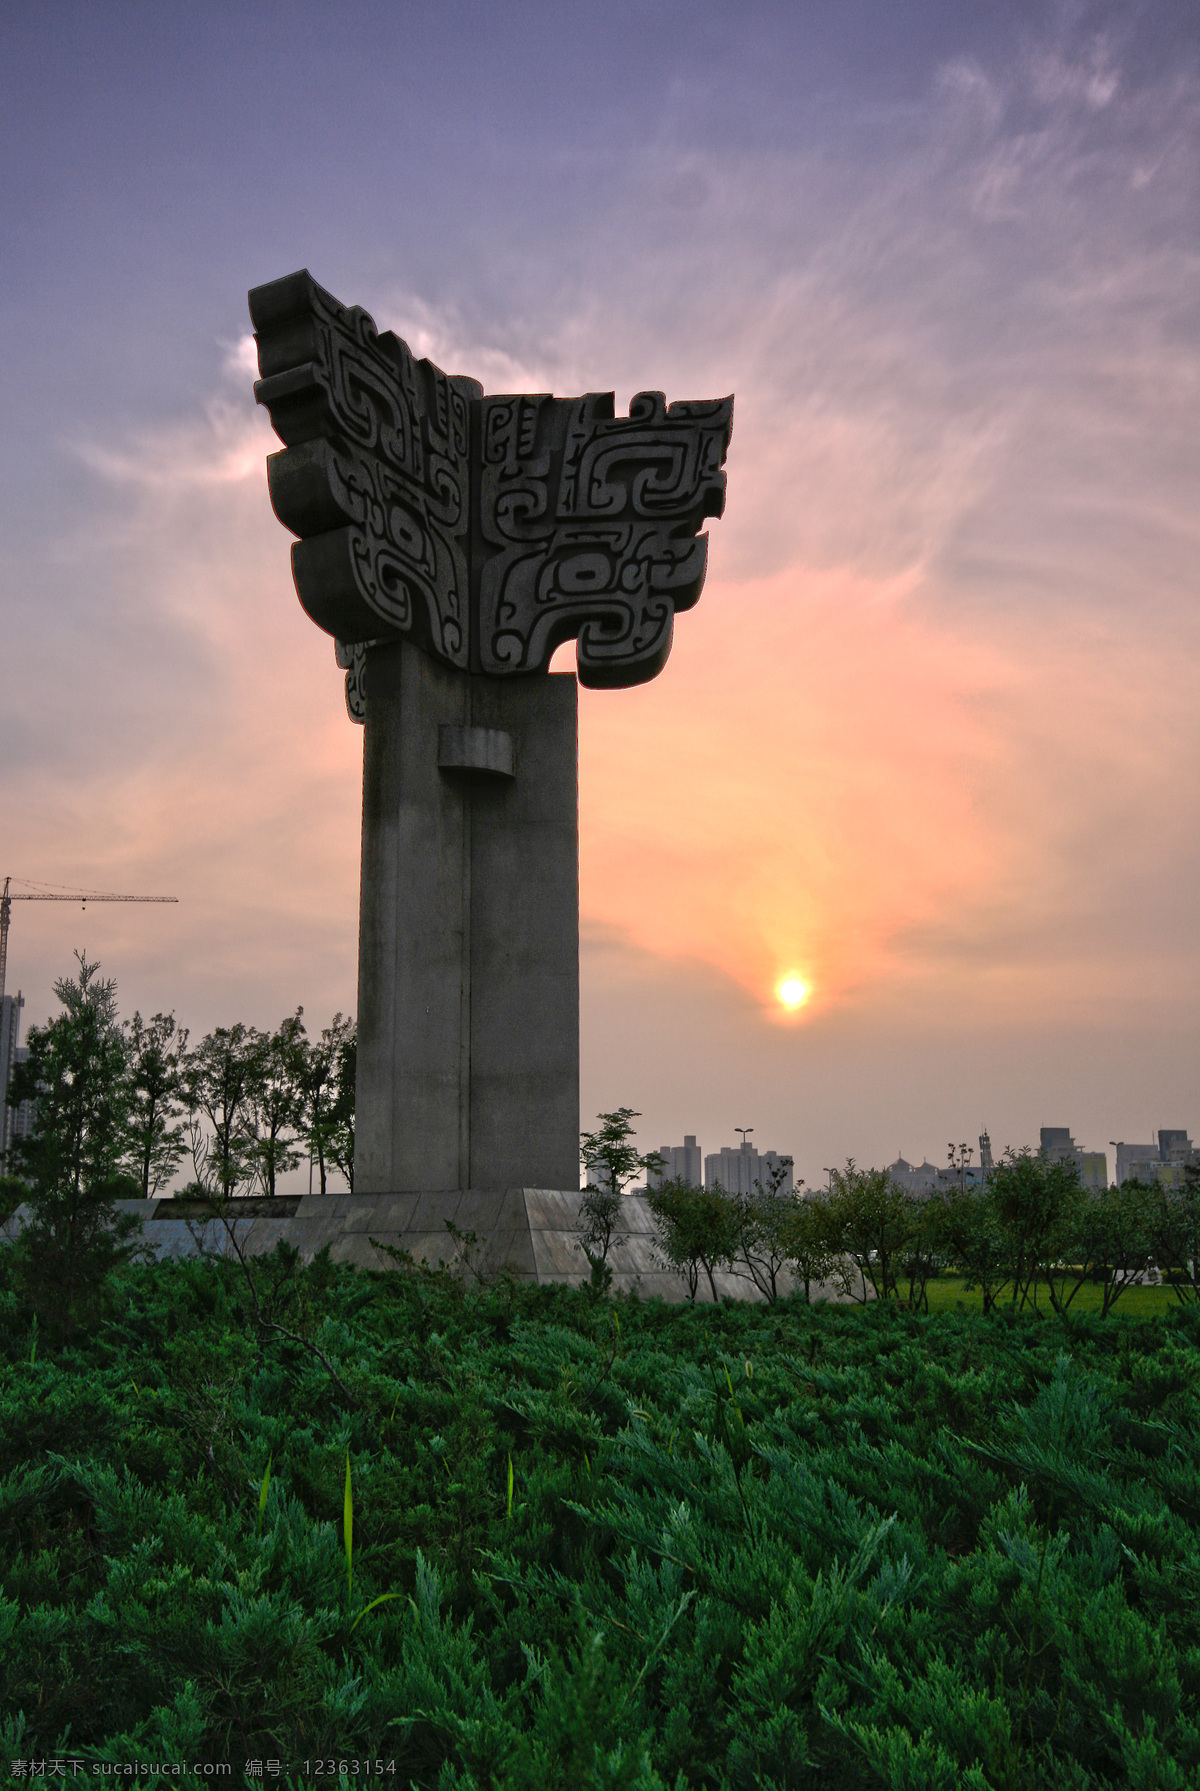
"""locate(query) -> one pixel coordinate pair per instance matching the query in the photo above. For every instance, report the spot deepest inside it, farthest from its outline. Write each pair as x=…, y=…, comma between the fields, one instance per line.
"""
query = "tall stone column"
x=450, y=542
x=468, y=1042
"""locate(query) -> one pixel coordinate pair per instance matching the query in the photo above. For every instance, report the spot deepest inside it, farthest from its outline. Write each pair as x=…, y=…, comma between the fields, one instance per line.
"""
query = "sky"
x=929, y=741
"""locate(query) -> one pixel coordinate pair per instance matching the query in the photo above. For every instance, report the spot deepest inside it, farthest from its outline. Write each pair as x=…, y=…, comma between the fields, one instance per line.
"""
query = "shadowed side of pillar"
x=414, y=921
x=468, y=1043
x=525, y=939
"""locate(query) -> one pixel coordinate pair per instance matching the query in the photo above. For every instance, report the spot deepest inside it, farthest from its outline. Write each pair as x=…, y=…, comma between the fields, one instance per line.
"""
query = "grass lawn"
x=947, y=1293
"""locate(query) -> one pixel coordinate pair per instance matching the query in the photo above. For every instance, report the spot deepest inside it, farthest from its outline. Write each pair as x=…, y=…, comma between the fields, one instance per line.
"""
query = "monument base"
x=532, y=1234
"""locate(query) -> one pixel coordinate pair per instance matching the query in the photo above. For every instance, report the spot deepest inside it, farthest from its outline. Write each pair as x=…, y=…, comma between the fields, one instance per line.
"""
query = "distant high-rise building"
x=1162, y=1162
x=10, y=1055
x=985, y=1151
x=1175, y=1147
x=740, y=1169
x=681, y=1162
x=1133, y=1158
x=1058, y=1146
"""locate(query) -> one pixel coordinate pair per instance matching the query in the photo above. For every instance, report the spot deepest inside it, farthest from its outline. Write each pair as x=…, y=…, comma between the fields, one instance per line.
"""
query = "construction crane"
x=80, y=895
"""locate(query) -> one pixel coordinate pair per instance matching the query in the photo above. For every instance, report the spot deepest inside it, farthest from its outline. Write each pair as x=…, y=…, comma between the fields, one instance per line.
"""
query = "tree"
x=811, y=1238
x=765, y=1221
x=601, y=1215
x=1109, y=1241
x=76, y=1075
x=1175, y=1232
x=1036, y=1204
x=924, y=1251
x=611, y=1154
x=276, y=1100
x=339, y=1145
x=154, y=1143
x=218, y=1085
x=698, y=1230
x=872, y=1224
x=970, y=1236
x=318, y=1079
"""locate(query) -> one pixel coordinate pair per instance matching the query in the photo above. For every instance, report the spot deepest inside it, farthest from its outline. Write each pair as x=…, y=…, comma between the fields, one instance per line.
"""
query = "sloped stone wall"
x=530, y=1233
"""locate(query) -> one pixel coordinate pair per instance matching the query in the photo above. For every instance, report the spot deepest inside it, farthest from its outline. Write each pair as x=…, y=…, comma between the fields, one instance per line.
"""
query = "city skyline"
x=925, y=748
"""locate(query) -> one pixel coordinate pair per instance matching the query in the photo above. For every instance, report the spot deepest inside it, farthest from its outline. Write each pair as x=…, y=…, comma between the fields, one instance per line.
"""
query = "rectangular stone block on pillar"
x=468, y=1052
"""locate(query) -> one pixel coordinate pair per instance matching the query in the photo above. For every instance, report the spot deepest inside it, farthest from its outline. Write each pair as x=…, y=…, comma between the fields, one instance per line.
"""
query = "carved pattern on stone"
x=352, y=658
x=584, y=524
x=374, y=477
x=592, y=523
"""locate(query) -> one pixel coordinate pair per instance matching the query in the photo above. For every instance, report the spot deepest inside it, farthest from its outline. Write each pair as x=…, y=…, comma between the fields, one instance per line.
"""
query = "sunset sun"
x=792, y=992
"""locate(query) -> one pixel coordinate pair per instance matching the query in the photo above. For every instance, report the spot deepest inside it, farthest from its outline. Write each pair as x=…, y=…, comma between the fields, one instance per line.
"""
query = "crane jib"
x=8, y=897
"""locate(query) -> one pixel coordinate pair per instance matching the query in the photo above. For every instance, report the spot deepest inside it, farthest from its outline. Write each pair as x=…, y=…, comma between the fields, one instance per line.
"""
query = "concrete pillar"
x=468, y=994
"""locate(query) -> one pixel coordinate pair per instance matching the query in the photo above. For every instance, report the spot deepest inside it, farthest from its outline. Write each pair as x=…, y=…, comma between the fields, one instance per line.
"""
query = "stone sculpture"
x=450, y=542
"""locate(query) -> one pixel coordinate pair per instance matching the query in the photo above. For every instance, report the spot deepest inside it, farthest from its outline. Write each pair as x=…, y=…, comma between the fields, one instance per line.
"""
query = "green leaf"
x=348, y=1528
x=262, y=1495
x=384, y=1598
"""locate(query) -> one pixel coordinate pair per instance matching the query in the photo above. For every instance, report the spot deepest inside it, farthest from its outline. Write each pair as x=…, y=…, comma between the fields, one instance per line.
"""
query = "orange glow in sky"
x=756, y=810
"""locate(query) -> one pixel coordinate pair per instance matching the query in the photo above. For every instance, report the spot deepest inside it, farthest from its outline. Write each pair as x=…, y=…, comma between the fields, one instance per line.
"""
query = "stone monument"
x=449, y=542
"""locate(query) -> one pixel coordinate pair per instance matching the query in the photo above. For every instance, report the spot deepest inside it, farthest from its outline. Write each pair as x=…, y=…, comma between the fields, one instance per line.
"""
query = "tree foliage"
x=128, y=1103
x=72, y=1165
x=700, y=1229
x=339, y=1134
x=1173, y=1219
x=154, y=1071
x=765, y=1232
x=325, y=1079
x=871, y=1219
x=275, y=1102
x=609, y=1154
x=219, y=1084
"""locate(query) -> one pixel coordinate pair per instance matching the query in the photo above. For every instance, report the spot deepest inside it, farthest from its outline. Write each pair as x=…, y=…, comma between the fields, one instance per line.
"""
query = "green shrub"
x=614, y=1543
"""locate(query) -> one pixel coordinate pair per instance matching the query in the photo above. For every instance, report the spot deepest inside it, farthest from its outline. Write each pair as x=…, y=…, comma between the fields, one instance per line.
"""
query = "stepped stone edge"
x=533, y=1234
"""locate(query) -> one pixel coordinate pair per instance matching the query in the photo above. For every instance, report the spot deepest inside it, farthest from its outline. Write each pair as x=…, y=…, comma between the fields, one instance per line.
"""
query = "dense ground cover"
x=631, y=1545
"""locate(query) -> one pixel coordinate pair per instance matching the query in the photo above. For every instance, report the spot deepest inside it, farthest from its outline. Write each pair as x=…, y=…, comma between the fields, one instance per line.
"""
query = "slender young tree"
x=969, y=1236
x=610, y=1153
x=276, y=1101
x=339, y=1147
x=874, y=1223
x=765, y=1225
x=318, y=1081
x=1036, y=1204
x=218, y=1085
x=811, y=1239
x=155, y=1141
x=76, y=1076
x=699, y=1230
x=1174, y=1224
